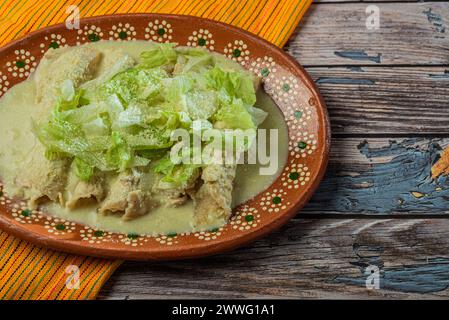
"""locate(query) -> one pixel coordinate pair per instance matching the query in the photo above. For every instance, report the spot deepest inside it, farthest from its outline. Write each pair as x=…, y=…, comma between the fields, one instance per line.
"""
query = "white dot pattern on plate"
x=122, y=32
x=201, y=38
x=59, y=226
x=23, y=64
x=295, y=175
x=247, y=218
x=237, y=51
x=89, y=33
x=160, y=31
x=53, y=41
x=264, y=67
x=4, y=83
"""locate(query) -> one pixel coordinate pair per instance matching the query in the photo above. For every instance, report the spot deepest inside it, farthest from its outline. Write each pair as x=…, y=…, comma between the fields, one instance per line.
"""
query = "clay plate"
x=284, y=80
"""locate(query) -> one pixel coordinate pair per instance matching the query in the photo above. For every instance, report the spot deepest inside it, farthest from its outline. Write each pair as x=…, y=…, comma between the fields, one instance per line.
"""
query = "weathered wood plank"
x=385, y=100
x=409, y=33
x=322, y=258
x=382, y=176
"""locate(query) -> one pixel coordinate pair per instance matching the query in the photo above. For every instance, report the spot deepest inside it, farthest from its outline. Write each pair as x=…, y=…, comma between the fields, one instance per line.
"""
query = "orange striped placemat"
x=30, y=272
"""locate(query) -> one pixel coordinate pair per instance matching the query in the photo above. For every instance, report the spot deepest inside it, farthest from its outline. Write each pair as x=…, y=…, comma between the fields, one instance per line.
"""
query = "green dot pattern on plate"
x=293, y=175
x=298, y=114
x=201, y=42
x=123, y=35
x=60, y=227
x=249, y=218
x=26, y=213
x=172, y=235
x=276, y=200
x=20, y=64
x=93, y=37
x=161, y=31
x=54, y=45
x=286, y=87
x=265, y=72
x=132, y=235
x=302, y=145
x=98, y=233
x=236, y=53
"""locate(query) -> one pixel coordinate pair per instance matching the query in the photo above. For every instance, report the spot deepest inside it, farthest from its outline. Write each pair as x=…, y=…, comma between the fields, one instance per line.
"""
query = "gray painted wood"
x=387, y=100
x=314, y=258
x=336, y=34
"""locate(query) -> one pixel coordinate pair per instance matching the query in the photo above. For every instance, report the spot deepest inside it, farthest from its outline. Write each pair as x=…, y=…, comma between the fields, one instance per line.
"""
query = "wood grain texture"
x=409, y=33
x=315, y=258
x=382, y=176
x=387, y=92
x=406, y=100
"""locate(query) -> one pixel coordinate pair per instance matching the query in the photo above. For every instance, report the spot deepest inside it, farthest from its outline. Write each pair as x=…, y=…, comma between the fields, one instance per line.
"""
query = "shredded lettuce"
x=159, y=55
x=133, y=85
x=193, y=60
x=69, y=98
x=258, y=115
x=236, y=84
x=175, y=175
x=234, y=115
x=118, y=154
x=125, y=117
x=82, y=169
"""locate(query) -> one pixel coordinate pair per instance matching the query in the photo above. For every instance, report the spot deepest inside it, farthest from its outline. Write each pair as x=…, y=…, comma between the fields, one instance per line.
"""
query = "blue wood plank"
x=436, y=20
x=429, y=277
x=359, y=55
x=393, y=179
x=341, y=80
x=444, y=75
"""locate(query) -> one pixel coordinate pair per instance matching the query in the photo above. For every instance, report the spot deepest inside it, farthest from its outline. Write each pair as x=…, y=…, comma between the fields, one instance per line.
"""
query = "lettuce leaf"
x=69, y=98
x=236, y=84
x=161, y=54
x=183, y=94
x=133, y=85
x=233, y=115
x=68, y=140
x=192, y=60
x=258, y=115
x=201, y=105
x=118, y=154
x=175, y=175
x=82, y=170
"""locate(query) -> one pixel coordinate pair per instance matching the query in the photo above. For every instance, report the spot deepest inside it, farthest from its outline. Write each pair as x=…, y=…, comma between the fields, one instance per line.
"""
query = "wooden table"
x=387, y=92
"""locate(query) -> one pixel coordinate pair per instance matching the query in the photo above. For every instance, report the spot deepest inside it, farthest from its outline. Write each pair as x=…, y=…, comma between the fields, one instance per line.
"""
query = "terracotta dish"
x=284, y=80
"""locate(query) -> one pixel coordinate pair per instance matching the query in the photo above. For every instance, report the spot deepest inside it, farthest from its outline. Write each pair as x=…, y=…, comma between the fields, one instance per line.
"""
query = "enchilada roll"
x=170, y=195
x=41, y=178
x=213, y=200
x=80, y=192
x=128, y=197
x=76, y=64
x=112, y=63
x=94, y=189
